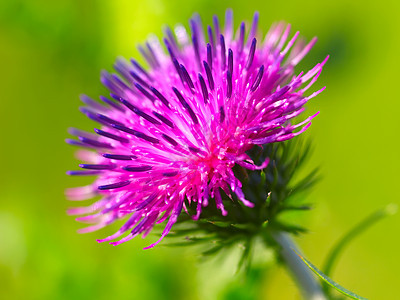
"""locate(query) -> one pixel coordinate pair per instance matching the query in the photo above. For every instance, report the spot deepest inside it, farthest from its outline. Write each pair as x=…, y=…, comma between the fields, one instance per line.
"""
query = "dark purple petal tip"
x=114, y=185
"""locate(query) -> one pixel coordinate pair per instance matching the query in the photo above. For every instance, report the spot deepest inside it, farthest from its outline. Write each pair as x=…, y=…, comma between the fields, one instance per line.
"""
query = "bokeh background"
x=52, y=51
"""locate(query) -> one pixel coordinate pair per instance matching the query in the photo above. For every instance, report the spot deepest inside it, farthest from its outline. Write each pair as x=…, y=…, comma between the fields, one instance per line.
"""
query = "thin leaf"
x=245, y=255
x=353, y=233
x=190, y=241
x=219, y=223
x=329, y=281
x=308, y=181
x=295, y=229
x=293, y=207
x=212, y=250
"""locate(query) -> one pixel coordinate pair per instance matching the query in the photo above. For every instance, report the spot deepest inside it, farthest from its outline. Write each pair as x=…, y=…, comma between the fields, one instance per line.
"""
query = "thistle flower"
x=170, y=135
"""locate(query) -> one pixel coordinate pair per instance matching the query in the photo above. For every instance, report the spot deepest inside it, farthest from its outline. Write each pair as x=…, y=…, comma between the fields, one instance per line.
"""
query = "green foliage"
x=329, y=281
x=334, y=255
x=351, y=235
x=354, y=232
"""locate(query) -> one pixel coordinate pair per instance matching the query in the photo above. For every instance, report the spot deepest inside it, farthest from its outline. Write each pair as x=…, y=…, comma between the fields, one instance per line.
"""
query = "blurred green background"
x=51, y=51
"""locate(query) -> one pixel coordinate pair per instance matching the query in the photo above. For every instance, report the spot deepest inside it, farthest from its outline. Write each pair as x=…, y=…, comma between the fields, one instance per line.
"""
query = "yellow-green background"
x=51, y=51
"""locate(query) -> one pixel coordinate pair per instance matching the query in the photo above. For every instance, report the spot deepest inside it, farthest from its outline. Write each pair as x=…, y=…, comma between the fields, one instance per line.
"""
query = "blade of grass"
x=353, y=233
x=329, y=281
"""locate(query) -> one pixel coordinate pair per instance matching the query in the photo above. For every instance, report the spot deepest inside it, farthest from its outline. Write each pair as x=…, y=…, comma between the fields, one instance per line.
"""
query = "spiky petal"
x=171, y=135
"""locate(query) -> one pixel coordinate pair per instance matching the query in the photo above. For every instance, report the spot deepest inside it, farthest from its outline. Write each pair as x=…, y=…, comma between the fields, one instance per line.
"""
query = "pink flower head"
x=172, y=133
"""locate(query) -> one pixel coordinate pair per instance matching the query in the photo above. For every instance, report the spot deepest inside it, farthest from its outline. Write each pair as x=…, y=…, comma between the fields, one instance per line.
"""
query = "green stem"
x=309, y=286
x=353, y=233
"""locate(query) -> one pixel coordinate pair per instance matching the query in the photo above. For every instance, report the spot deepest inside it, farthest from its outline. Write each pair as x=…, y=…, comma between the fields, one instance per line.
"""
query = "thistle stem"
x=309, y=287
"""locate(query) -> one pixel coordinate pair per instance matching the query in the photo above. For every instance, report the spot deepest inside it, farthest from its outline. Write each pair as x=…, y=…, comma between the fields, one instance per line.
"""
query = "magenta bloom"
x=172, y=133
